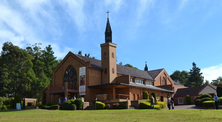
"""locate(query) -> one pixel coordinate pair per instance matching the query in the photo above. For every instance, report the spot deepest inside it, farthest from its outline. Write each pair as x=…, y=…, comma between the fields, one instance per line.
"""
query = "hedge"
x=147, y=105
x=188, y=100
x=55, y=106
x=219, y=91
x=154, y=95
x=46, y=107
x=220, y=100
x=205, y=99
x=145, y=95
x=72, y=101
x=120, y=106
x=161, y=104
x=68, y=106
x=78, y=103
x=100, y=105
x=205, y=95
x=51, y=103
x=208, y=103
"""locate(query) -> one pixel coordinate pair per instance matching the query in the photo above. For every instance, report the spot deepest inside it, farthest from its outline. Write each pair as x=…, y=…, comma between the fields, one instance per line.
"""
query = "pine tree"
x=195, y=77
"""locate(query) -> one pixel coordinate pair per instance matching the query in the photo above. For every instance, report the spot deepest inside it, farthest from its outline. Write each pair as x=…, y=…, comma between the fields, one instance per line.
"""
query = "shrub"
x=46, y=107
x=73, y=107
x=115, y=105
x=146, y=105
x=72, y=101
x=197, y=102
x=120, y=106
x=1, y=102
x=220, y=100
x=29, y=104
x=205, y=99
x=154, y=95
x=79, y=104
x=205, y=96
x=208, y=103
x=44, y=98
x=161, y=104
x=66, y=105
x=39, y=104
x=4, y=107
x=107, y=106
x=55, y=106
x=51, y=103
x=100, y=105
x=219, y=91
x=94, y=101
x=188, y=100
x=145, y=95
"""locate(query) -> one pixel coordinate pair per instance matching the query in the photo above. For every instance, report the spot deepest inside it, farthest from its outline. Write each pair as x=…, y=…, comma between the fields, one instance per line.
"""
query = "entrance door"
x=161, y=98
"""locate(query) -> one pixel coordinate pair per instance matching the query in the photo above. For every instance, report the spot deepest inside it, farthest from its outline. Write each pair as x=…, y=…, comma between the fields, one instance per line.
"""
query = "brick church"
x=80, y=76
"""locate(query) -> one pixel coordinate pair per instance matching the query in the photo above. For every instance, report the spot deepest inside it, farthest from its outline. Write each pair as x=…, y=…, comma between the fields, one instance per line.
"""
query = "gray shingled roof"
x=188, y=91
x=94, y=63
x=177, y=83
x=154, y=73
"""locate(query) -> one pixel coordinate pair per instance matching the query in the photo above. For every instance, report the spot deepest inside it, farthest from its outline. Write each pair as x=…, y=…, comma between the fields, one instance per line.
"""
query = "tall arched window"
x=70, y=76
x=163, y=81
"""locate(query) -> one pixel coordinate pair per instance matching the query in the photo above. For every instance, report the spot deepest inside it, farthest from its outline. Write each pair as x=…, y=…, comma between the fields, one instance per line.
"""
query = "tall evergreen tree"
x=195, y=77
x=182, y=77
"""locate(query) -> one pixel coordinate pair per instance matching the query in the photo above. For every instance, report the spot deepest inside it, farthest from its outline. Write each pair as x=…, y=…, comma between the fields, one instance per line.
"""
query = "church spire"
x=146, y=67
x=108, y=32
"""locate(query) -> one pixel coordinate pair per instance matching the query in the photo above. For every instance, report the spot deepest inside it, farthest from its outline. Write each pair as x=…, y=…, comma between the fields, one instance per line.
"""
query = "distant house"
x=180, y=95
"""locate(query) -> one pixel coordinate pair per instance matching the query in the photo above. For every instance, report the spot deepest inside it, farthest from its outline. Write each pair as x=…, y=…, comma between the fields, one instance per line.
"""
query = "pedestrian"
x=168, y=102
x=59, y=101
x=152, y=102
x=172, y=101
x=65, y=99
x=216, y=101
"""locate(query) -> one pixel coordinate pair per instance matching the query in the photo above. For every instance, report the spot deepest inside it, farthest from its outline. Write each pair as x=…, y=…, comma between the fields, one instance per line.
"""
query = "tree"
x=217, y=81
x=80, y=53
x=129, y=65
x=206, y=82
x=195, y=77
x=16, y=68
x=181, y=77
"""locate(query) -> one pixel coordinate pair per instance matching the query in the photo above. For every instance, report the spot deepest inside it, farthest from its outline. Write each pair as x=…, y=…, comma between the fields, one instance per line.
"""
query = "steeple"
x=108, y=32
x=146, y=68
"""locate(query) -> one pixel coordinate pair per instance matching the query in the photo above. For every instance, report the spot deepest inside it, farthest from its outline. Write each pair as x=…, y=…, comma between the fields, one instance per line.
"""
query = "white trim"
x=179, y=101
x=207, y=90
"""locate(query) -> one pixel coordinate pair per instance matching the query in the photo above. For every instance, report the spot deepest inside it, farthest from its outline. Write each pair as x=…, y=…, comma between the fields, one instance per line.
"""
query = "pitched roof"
x=94, y=63
x=154, y=73
x=188, y=91
x=177, y=83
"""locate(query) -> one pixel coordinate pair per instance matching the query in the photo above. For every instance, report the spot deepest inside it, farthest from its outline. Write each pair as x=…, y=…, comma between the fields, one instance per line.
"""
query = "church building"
x=80, y=76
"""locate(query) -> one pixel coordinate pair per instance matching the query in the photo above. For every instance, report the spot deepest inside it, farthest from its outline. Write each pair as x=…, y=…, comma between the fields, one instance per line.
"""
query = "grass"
x=112, y=115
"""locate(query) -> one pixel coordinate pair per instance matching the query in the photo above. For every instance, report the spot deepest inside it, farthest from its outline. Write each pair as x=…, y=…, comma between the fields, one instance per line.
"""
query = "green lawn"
x=113, y=115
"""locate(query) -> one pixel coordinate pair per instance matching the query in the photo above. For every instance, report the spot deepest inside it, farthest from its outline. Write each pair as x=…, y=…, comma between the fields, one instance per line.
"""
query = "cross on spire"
x=107, y=14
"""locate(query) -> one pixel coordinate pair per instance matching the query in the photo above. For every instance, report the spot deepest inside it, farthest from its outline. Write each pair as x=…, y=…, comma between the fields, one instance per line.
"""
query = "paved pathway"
x=183, y=107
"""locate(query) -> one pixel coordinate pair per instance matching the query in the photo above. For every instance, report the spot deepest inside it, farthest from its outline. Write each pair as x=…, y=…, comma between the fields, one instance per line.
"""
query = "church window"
x=112, y=55
x=163, y=81
x=113, y=71
x=105, y=55
x=138, y=81
x=105, y=71
x=70, y=75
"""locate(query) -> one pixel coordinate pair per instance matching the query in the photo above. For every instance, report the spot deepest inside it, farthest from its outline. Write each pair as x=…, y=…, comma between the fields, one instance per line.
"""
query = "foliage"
x=180, y=76
x=161, y=104
x=217, y=81
x=94, y=101
x=55, y=106
x=115, y=105
x=188, y=102
x=200, y=99
x=46, y=107
x=72, y=101
x=154, y=95
x=29, y=103
x=129, y=65
x=120, y=106
x=206, y=82
x=205, y=95
x=79, y=103
x=17, y=100
x=4, y=107
x=210, y=103
x=51, y=103
x=1, y=102
x=107, y=106
x=205, y=99
x=100, y=105
x=68, y=106
x=220, y=100
x=147, y=105
x=39, y=104
x=145, y=95
x=219, y=91
x=44, y=99
x=195, y=77
x=197, y=102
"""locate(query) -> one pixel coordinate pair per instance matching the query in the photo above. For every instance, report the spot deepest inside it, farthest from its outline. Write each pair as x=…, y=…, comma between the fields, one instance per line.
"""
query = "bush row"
x=147, y=105
x=100, y=105
x=200, y=99
x=9, y=103
x=209, y=103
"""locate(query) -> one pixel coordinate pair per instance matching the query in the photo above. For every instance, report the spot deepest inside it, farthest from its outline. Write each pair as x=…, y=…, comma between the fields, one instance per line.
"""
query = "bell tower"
x=108, y=56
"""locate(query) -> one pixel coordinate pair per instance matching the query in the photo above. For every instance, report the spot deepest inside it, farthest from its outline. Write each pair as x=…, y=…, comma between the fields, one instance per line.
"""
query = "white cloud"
x=182, y=4
x=212, y=73
x=115, y=3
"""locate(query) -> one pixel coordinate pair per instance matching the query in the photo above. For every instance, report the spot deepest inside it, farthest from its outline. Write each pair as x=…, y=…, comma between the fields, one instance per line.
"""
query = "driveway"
x=183, y=107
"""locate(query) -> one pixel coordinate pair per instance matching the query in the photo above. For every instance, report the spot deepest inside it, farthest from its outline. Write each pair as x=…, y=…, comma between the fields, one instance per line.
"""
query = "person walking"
x=168, y=102
x=152, y=102
x=216, y=101
x=172, y=101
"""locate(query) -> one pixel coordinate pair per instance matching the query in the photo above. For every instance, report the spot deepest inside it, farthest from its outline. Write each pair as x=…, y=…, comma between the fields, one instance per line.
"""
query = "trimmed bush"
x=73, y=107
x=39, y=104
x=72, y=101
x=197, y=102
x=79, y=103
x=146, y=105
x=115, y=105
x=188, y=100
x=205, y=95
x=100, y=105
x=145, y=95
x=4, y=107
x=94, y=101
x=1, y=102
x=219, y=91
x=154, y=95
x=51, y=103
x=208, y=103
x=205, y=99
x=161, y=104
x=55, y=106
x=29, y=104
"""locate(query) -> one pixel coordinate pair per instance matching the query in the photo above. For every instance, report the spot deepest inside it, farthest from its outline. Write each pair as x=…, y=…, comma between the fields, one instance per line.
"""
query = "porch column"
x=114, y=92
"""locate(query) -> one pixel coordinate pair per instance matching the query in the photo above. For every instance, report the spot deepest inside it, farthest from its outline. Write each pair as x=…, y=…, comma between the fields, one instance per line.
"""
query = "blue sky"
x=168, y=34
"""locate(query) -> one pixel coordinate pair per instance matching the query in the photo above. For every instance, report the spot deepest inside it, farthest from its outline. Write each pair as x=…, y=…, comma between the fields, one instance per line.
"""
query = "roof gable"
x=208, y=90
